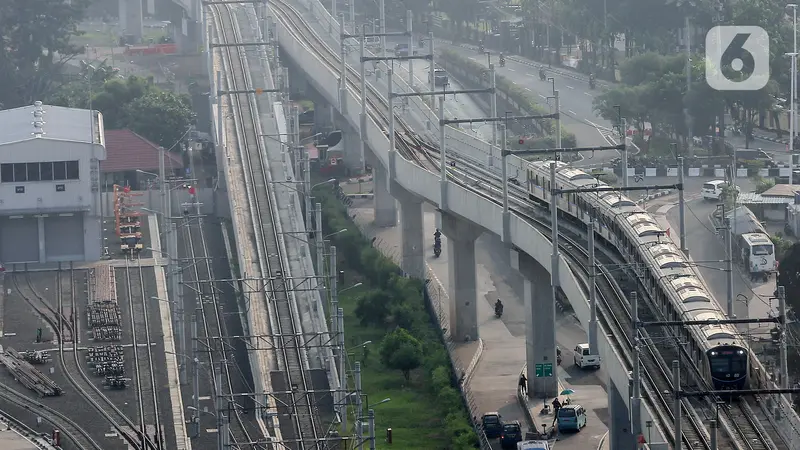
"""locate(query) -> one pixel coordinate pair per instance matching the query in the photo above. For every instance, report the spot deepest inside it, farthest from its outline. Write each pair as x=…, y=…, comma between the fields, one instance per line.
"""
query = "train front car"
x=728, y=367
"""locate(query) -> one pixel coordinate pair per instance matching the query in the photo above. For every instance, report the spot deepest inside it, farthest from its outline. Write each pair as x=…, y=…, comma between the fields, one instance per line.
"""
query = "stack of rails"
x=106, y=360
x=103, y=313
x=29, y=376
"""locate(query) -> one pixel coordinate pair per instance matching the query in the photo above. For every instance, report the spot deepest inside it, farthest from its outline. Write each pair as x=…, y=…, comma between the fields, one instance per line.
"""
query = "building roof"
x=128, y=151
x=40, y=121
x=751, y=198
x=782, y=190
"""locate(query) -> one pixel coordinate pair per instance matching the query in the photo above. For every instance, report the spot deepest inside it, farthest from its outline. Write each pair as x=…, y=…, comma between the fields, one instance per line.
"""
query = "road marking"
x=570, y=87
x=509, y=68
x=586, y=93
x=530, y=74
x=473, y=58
x=527, y=89
x=572, y=112
x=540, y=95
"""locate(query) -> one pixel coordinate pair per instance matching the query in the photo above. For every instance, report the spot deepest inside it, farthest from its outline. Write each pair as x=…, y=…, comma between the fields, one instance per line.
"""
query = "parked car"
x=571, y=417
x=492, y=424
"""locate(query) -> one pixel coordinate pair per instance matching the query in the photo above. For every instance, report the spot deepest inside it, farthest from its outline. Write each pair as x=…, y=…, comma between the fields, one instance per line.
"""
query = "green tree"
x=373, y=307
x=34, y=46
x=401, y=351
x=161, y=116
x=789, y=276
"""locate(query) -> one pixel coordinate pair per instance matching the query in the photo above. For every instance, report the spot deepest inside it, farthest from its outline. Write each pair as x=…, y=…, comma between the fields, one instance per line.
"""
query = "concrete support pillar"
x=540, y=330
x=620, y=434
x=42, y=243
x=413, y=263
x=352, y=152
x=461, y=235
x=131, y=18
x=385, y=205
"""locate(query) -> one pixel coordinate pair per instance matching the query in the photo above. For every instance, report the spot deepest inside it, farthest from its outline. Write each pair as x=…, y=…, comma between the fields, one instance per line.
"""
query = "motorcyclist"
x=482, y=47
x=498, y=307
x=542, y=75
x=502, y=60
x=591, y=80
x=437, y=236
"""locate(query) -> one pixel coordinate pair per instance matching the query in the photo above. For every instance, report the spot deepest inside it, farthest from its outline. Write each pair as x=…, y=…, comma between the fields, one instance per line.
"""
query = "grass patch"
x=426, y=410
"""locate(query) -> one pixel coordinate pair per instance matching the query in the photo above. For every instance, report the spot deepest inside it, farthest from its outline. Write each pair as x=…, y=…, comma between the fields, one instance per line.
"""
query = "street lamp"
x=792, y=115
x=334, y=234
x=347, y=289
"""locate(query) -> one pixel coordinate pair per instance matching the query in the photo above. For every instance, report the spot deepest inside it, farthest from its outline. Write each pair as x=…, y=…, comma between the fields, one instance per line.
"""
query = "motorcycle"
x=437, y=250
x=502, y=62
x=591, y=82
x=558, y=356
x=498, y=311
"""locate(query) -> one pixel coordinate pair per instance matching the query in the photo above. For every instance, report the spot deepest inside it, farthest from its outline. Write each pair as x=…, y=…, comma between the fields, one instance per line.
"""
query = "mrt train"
x=719, y=351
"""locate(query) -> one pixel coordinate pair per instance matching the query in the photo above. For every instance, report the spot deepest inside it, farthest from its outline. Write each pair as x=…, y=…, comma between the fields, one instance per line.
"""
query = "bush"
x=520, y=96
x=395, y=306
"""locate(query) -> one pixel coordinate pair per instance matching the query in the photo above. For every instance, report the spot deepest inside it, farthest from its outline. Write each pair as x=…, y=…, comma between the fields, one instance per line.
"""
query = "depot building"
x=50, y=209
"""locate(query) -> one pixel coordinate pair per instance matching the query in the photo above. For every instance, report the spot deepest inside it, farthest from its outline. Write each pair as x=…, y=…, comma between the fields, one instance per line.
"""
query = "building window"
x=61, y=187
x=46, y=169
x=39, y=171
x=60, y=170
x=20, y=172
x=19, y=189
x=72, y=170
x=33, y=172
x=6, y=173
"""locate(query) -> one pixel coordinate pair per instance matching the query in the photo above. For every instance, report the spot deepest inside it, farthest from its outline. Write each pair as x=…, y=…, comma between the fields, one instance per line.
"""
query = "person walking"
x=523, y=384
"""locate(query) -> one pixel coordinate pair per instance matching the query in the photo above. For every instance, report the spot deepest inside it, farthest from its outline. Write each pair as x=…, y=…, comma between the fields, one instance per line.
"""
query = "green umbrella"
x=567, y=392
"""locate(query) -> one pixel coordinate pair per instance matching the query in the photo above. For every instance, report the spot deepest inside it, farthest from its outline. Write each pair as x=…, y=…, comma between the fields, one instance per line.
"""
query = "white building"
x=50, y=207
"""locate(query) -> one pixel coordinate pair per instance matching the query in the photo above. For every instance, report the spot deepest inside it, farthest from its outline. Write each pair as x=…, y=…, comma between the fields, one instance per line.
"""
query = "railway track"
x=69, y=358
x=286, y=324
x=212, y=321
x=145, y=380
x=746, y=434
x=69, y=429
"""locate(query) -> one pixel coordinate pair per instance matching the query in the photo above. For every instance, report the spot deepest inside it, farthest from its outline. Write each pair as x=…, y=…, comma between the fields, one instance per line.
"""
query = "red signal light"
x=521, y=141
x=191, y=190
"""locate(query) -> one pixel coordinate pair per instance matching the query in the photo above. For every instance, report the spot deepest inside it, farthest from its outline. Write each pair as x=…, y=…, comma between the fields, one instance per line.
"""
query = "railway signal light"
x=192, y=190
x=521, y=141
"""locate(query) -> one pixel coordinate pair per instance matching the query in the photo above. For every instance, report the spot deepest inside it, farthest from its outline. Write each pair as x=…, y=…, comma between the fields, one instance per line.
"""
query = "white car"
x=584, y=359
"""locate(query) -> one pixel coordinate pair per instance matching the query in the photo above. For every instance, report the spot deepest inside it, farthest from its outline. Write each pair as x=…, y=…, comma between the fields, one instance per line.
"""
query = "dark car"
x=512, y=433
x=492, y=424
x=401, y=50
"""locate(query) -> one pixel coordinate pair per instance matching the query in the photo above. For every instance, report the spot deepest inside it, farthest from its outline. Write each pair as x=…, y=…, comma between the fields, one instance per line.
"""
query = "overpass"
x=470, y=199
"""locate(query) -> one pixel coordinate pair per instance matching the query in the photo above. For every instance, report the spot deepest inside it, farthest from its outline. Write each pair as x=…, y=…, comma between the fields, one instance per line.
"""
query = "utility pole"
x=558, y=118
x=623, y=133
x=363, y=93
x=219, y=399
x=784, y=331
x=359, y=415
x=681, y=208
x=493, y=111
x=177, y=282
x=220, y=118
x=729, y=263
x=431, y=74
x=409, y=27
x=554, y=228
x=713, y=434
x=371, y=418
x=320, y=250
x=390, y=84
x=195, y=375
x=504, y=168
x=343, y=72
x=333, y=288
x=687, y=114
x=382, y=13
x=342, y=368
x=353, y=13
x=636, y=401
x=333, y=10
x=676, y=388
x=593, y=347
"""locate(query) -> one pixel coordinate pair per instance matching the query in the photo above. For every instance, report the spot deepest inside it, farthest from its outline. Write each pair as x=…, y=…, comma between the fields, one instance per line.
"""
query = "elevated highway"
x=468, y=195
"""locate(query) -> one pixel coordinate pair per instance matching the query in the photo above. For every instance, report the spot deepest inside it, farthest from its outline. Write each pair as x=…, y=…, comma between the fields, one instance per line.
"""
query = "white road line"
x=586, y=93
x=540, y=95
x=529, y=74
x=473, y=58
x=527, y=89
x=572, y=112
x=570, y=87
x=509, y=68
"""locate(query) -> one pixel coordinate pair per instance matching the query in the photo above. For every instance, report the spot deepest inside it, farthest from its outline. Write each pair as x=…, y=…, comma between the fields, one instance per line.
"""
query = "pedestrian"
x=556, y=407
x=523, y=384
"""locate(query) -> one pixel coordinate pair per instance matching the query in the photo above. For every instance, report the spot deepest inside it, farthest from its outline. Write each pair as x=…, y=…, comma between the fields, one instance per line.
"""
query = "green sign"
x=544, y=370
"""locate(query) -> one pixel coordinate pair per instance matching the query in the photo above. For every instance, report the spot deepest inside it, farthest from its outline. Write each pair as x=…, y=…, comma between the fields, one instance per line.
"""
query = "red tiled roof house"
x=129, y=155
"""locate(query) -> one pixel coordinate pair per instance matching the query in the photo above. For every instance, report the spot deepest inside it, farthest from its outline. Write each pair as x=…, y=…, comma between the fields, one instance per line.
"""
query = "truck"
x=751, y=242
x=440, y=77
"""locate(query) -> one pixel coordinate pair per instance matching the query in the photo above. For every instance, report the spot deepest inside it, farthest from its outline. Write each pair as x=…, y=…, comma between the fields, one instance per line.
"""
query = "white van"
x=713, y=189
x=584, y=358
x=533, y=445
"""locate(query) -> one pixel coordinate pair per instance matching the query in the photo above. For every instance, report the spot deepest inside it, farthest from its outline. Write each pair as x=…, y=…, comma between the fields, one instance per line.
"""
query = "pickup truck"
x=584, y=359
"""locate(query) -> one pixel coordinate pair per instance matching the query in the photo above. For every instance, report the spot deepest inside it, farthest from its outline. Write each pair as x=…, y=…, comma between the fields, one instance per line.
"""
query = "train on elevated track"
x=719, y=351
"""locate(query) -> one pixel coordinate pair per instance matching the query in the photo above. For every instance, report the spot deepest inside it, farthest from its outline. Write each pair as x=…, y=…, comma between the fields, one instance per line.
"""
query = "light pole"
x=792, y=115
x=558, y=111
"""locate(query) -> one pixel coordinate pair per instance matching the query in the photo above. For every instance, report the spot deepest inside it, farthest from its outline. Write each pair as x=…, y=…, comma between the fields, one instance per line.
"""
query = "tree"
x=34, y=46
x=372, y=307
x=163, y=117
x=401, y=351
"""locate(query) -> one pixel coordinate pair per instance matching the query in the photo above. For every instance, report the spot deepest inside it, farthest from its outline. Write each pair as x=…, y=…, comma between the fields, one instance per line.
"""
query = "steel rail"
x=254, y=161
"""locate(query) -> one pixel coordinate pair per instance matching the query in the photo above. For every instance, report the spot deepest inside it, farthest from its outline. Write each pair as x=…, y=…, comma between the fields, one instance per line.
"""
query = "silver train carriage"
x=719, y=352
